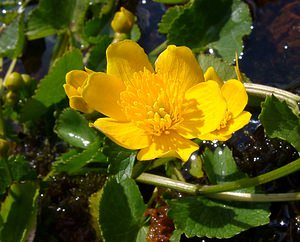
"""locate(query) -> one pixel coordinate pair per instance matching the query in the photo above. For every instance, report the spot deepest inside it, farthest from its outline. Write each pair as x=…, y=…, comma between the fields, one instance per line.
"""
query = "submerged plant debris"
x=139, y=120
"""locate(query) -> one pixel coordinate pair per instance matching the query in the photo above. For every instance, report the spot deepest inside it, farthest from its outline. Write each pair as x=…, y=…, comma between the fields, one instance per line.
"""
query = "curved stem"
x=249, y=197
x=228, y=186
x=262, y=91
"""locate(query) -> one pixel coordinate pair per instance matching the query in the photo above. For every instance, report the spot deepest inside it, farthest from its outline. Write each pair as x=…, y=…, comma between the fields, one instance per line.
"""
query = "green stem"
x=249, y=197
x=10, y=68
x=228, y=186
x=158, y=49
x=61, y=47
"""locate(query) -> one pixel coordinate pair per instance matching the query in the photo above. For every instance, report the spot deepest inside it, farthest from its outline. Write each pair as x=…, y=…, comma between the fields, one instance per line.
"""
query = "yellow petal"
x=237, y=69
x=76, y=78
x=232, y=126
x=214, y=136
x=70, y=90
x=207, y=109
x=171, y=145
x=77, y=103
x=102, y=93
x=125, y=58
x=235, y=95
x=235, y=124
x=125, y=134
x=212, y=75
x=178, y=64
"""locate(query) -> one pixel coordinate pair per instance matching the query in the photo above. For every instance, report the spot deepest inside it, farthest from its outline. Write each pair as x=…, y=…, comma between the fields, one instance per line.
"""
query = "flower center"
x=151, y=103
x=227, y=117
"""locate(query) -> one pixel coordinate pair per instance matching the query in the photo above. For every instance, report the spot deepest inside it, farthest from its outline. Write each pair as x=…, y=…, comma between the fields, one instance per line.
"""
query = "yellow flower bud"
x=75, y=80
x=122, y=21
x=14, y=81
x=26, y=79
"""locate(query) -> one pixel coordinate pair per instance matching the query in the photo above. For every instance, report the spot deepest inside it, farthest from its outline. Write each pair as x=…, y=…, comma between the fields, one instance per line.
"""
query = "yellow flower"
x=157, y=111
x=236, y=98
x=73, y=88
x=122, y=21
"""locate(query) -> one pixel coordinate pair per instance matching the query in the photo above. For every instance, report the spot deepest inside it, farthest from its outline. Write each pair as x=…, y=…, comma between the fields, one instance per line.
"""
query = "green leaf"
x=73, y=128
x=68, y=14
x=215, y=24
x=97, y=58
x=168, y=18
x=50, y=90
x=12, y=38
x=14, y=169
x=224, y=70
x=18, y=212
x=199, y=216
x=279, y=121
x=121, y=160
x=93, y=29
x=176, y=236
x=220, y=166
x=94, y=201
x=142, y=234
x=135, y=33
x=121, y=211
x=196, y=167
x=74, y=163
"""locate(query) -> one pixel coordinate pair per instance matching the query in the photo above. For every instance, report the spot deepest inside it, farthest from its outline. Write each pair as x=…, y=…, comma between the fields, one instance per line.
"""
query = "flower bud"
x=10, y=97
x=26, y=79
x=13, y=81
x=122, y=21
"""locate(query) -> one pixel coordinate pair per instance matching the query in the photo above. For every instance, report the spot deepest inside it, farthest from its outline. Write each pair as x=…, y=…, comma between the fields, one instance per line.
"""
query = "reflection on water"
x=271, y=54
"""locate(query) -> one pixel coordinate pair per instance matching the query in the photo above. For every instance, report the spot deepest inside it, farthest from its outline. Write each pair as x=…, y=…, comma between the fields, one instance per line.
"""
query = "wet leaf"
x=168, y=18
x=68, y=14
x=12, y=38
x=220, y=166
x=215, y=24
x=121, y=210
x=97, y=58
x=199, y=216
x=279, y=121
x=18, y=212
x=50, y=90
x=121, y=160
x=74, y=163
x=73, y=128
x=14, y=169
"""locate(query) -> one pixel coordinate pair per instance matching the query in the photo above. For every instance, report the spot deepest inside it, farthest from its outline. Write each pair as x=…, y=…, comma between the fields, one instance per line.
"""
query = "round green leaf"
x=199, y=216
x=121, y=211
x=73, y=128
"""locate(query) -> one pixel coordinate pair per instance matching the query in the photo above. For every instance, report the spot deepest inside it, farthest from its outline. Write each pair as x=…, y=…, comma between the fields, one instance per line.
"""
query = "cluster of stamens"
x=146, y=102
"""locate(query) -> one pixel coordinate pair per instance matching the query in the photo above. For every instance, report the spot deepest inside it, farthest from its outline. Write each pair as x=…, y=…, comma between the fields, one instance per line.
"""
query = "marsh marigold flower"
x=157, y=111
x=73, y=88
x=123, y=21
x=236, y=99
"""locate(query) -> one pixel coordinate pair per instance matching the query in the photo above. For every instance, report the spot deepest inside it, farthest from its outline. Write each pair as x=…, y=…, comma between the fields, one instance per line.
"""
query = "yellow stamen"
x=152, y=103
